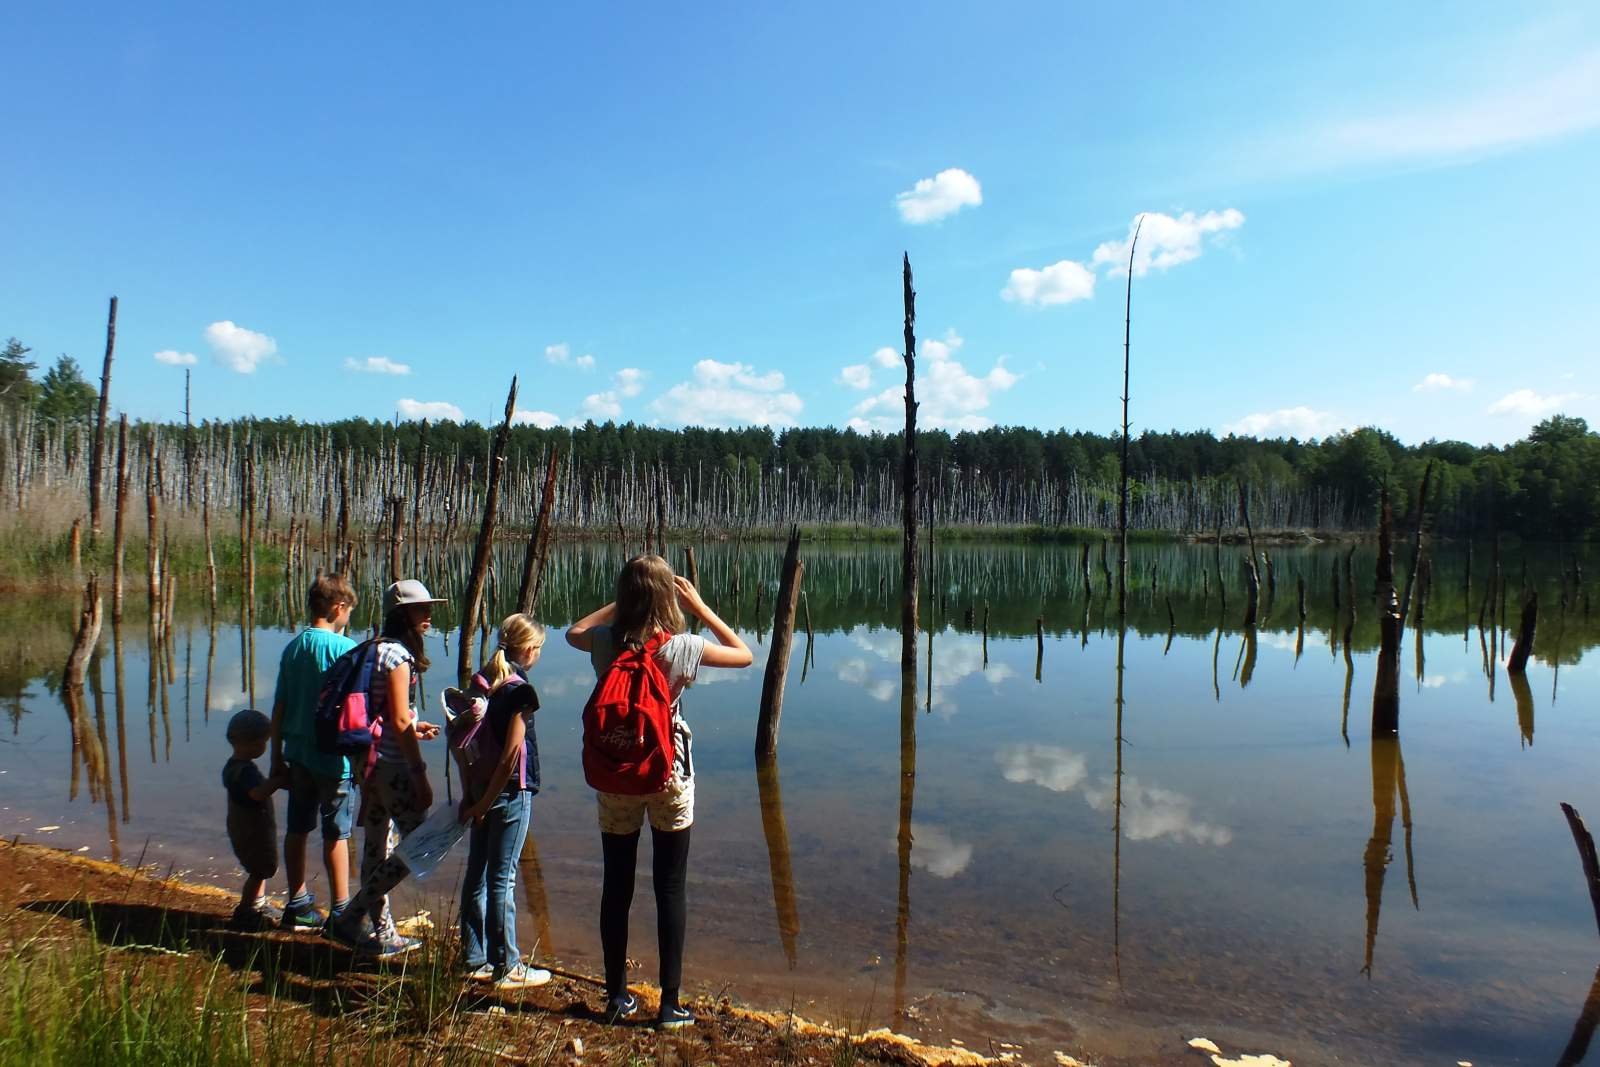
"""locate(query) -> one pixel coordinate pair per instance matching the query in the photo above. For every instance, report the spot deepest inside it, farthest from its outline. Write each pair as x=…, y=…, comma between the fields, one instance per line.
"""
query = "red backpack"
x=627, y=725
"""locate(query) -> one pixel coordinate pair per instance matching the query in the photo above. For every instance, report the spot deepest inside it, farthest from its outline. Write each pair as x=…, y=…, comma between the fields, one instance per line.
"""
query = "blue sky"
x=1356, y=214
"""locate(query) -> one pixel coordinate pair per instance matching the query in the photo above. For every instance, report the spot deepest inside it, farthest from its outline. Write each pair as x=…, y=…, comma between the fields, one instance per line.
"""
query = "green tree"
x=64, y=395
x=16, y=385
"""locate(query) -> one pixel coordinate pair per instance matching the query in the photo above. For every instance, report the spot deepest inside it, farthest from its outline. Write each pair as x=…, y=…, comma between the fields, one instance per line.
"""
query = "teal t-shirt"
x=299, y=685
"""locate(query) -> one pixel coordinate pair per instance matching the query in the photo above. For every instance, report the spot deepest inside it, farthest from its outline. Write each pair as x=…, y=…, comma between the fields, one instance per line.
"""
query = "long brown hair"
x=647, y=601
x=397, y=626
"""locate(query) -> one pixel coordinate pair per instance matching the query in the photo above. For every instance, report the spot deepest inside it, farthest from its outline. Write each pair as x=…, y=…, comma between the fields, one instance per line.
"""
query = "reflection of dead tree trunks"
x=776, y=831
x=1583, y=1030
x=1418, y=515
x=88, y=634
x=396, y=535
x=908, y=484
x=531, y=874
x=778, y=658
x=472, y=603
x=1386, y=689
x=1522, y=693
x=117, y=537
x=908, y=789
x=1252, y=577
x=1375, y=861
x=97, y=460
x=1088, y=585
x=1038, y=659
x=1523, y=648
x=538, y=545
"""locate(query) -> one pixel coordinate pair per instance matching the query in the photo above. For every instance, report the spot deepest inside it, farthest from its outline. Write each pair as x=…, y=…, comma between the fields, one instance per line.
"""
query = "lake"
x=952, y=858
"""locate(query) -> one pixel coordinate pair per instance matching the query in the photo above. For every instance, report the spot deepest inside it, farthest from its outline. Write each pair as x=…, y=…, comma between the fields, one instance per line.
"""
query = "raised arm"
x=730, y=649
x=580, y=635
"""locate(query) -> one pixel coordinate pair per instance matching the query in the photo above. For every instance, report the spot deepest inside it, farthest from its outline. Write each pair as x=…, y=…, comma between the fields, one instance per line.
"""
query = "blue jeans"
x=488, y=896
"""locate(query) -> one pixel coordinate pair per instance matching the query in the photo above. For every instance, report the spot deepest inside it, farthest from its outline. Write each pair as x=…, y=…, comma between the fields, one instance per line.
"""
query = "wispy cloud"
x=377, y=365
x=1438, y=383
x=174, y=358
x=542, y=419
x=433, y=410
x=629, y=381
x=603, y=405
x=940, y=196
x=1527, y=403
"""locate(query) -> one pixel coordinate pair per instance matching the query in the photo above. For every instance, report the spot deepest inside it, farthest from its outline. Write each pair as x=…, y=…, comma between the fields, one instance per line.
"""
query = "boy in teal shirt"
x=321, y=788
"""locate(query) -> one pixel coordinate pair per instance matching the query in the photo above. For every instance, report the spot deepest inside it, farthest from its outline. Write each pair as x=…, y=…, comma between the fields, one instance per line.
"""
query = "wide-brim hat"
x=407, y=591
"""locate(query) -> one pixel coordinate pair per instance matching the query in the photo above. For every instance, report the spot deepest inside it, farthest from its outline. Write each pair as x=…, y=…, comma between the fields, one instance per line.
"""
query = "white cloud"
x=932, y=199
x=1164, y=241
x=1301, y=422
x=729, y=394
x=584, y=362
x=935, y=851
x=239, y=349
x=629, y=381
x=602, y=405
x=951, y=397
x=434, y=410
x=1434, y=383
x=1561, y=99
x=1150, y=812
x=856, y=376
x=1059, y=283
x=173, y=358
x=887, y=357
x=542, y=419
x=1533, y=405
x=377, y=365
x=1057, y=769
x=560, y=352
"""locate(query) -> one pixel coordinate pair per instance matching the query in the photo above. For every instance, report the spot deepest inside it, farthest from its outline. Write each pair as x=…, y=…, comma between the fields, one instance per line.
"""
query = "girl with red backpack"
x=636, y=754
x=500, y=775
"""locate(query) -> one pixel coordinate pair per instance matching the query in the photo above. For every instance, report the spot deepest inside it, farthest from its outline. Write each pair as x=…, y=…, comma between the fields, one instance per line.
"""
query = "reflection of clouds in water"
x=955, y=658
x=1057, y=769
x=1149, y=812
x=935, y=851
x=1287, y=641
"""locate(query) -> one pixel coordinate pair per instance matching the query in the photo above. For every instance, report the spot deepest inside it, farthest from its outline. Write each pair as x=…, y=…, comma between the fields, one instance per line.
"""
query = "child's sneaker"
x=621, y=1008
x=302, y=916
x=257, y=918
x=390, y=944
x=676, y=1017
x=341, y=932
x=485, y=973
x=522, y=977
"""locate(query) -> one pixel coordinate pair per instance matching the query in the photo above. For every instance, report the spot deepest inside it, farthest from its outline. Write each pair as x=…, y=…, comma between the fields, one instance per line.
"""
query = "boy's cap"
x=248, y=724
x=407, y=591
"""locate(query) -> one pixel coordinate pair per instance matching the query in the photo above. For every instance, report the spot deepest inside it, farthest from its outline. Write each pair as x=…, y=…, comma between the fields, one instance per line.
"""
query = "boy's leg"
x=506, y=841
x=336, y=803
x=474, y=891
x=252, y=892
x=300, y=817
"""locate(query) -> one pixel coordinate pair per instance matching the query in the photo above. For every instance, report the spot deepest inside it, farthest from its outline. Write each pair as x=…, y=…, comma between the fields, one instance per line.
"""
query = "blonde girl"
x=651, y=600
x=500, y=815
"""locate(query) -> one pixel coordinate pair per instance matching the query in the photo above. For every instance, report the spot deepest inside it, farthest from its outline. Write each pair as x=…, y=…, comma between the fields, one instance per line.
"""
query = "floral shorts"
x=670, y=809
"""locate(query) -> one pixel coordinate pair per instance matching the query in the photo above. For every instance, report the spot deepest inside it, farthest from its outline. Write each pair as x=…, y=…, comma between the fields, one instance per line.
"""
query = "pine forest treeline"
x=344, y=479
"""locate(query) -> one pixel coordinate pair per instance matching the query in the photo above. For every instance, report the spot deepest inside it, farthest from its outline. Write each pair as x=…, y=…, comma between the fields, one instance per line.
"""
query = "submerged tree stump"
x=1523, y=648
x=778, y=658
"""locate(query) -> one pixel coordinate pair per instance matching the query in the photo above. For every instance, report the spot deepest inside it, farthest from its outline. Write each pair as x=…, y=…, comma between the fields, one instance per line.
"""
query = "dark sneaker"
x=303, y=917
x=341, y=932
x=620, y=1009
x=257, y=919
x=675, y=1018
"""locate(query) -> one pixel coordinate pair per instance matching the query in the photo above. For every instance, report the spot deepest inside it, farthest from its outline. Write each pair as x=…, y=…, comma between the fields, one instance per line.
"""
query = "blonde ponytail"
x=516, y=631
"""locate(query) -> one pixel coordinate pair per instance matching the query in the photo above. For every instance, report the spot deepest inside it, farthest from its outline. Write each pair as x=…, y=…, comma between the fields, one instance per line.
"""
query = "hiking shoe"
x=676, y=1017
x=484, y=973
x=302, y=917
x=522, y=977
x=258, y=918
x=378, y=946
x=619, y=1009
x=339, y=931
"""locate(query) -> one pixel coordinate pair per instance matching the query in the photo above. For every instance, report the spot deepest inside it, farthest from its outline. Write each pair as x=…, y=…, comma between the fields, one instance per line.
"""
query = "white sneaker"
x=480, y=974
x=522, y=977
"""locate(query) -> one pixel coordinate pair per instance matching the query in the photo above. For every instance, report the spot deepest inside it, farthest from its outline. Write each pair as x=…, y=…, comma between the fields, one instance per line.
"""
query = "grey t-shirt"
x=679, y=659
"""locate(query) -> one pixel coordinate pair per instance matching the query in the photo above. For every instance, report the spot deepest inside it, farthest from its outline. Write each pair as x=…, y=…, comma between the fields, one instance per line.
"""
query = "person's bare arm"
x=277, y=766
x=404, y=723
x=269, y=785
x=730, y=649
x=516, y=730
x=580, y=635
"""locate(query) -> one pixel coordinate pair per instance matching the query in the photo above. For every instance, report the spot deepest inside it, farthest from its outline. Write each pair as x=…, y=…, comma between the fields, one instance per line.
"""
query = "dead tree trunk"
x=1523, y=648
x=152, y=553
x=118, y=532
x=88, y=634
x=1122, y=496
x=1386, y=688
x=1418, y=515
x=539, y=542
x=472, y=601
x=97, y=461
x=778, y=657
x=1252, y=599
x=908, y=483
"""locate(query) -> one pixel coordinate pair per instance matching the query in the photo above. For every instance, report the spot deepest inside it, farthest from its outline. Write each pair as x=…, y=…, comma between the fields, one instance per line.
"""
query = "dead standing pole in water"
x=119, y=531
x=97, y=460
x=1122, y=496
x=908, y=484
x=539, y=543
x=778, y=657
x=1386, y=688
x=88, y=633
x=472, y=600
x=1523, y=648
x=1252, y=576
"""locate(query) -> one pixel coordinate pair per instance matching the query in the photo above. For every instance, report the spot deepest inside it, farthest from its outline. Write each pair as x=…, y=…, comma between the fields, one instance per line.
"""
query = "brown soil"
x=55, y=901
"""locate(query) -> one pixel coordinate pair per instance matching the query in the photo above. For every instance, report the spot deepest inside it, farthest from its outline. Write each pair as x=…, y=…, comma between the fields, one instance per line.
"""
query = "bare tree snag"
x=472, y=603
x=778, y=658
x=97, y=461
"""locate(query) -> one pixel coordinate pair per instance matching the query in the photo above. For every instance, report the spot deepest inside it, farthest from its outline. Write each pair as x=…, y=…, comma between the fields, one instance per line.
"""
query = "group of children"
x=641, y=634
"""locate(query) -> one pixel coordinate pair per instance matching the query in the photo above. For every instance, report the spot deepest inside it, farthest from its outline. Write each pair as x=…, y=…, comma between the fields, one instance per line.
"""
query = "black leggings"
x=669, y=869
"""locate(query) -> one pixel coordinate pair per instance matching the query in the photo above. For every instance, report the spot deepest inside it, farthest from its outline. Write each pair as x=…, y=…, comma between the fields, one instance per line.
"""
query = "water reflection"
x=903, y=836
x=776, y=832
x=1388, y=783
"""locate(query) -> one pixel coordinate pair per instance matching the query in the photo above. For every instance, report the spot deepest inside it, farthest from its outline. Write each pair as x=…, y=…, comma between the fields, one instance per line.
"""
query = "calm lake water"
x=1277, y=880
